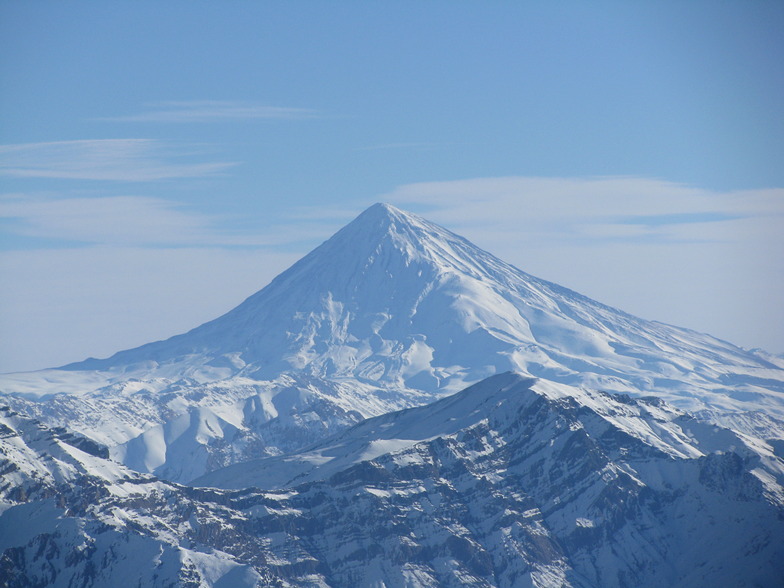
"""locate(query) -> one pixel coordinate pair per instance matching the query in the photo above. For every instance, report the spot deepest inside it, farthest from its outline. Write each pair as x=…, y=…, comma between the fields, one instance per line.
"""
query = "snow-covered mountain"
x=511, y=482
x=391, y=312
x=71, y=517
x=493, y=402
x=400, y=408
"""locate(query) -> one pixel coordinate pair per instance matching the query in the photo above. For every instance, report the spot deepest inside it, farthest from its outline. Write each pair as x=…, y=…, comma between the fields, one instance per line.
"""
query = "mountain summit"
x=391, y=312
x=396, y=301
x=356, y=297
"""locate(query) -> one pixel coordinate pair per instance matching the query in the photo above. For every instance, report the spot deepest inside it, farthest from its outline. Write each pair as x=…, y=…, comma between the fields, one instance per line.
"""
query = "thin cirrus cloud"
x=585, y=210
x=145, y=222
x=131, y=160
x=115, y=220
x=195, y=111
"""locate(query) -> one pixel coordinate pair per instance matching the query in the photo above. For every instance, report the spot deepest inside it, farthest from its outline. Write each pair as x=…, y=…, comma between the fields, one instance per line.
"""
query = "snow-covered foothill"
x=511, y=482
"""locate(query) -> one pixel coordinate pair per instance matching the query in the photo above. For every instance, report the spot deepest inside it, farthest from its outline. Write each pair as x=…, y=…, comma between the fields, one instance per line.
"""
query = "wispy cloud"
x=149, y=222
x=658, y=220
x=117, y=220
x=212, y=111
x=588, y=209
x=132, y=160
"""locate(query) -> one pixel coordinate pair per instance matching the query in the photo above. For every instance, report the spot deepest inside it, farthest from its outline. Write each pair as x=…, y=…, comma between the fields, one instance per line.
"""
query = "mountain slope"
x=668, y=431
x=391, y=312
x=396, y=301
x=69, y=516
x=509, y=483
x=514, y=482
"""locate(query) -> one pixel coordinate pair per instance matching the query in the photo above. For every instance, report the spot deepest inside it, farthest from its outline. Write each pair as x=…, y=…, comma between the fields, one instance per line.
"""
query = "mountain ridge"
x=661, y=427
x=525, y=487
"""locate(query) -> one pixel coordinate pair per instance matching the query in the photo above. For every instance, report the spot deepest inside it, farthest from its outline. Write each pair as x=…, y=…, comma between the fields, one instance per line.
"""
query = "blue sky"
x=161, y=161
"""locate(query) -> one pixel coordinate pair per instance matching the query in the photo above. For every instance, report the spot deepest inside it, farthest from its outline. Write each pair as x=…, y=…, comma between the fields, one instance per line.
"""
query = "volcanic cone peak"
x=397, y=302
x=393, y=311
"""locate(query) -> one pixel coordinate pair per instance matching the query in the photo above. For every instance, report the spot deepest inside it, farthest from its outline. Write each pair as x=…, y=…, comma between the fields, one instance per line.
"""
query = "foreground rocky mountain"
x=511, y=482
x=391, y=312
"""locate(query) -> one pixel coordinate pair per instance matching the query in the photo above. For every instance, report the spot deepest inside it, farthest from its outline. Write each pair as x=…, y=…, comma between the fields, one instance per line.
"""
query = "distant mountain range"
x=592, y=448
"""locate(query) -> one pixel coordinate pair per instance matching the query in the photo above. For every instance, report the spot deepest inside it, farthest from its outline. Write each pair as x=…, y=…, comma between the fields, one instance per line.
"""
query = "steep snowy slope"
x=71, y=517
x=515, y=483
x=394, y=300
x=392, y=311
x=180, y=430
x=498, y=398
x=509, y=483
